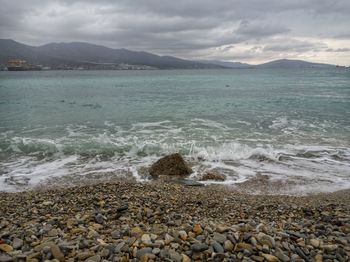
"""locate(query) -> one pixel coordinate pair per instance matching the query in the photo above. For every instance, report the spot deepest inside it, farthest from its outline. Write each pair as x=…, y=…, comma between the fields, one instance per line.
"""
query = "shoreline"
x=158, y=221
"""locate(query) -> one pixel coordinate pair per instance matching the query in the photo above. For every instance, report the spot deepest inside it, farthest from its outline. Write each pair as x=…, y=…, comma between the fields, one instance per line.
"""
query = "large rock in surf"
x=170, y=166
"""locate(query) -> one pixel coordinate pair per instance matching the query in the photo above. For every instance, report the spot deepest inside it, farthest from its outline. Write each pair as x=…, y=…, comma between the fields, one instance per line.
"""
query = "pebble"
x=217, y=247
x=265, y=239
x=84, y=255
x=5, y=258
x=185, y=258
x=143, y=251
x=329, y=248
x=156, y=251
x=136, y=232
x=100, y=219
x=56, y=252
x=146, y=239
x=183, y=235
x=17, y=243
x=168, y=239
x=219, y=237
x=116, y=234
x=197, y=229
x=222, y=228
x=199, y=247
x=95, y=258
x=174, y=256
x=6, y=248
x=270, y=258
x=156, y=225
x=281, y=255
x=243, y=246
x=315, y=242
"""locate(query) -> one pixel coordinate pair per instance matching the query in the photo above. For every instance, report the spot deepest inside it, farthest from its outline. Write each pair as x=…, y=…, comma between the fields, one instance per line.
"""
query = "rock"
x=84, y=255
x=270, y=258
x=315, y=242
x=243, y=246
x=105, y=252
x=5, y=258
x=6, y=248
x=281, y=255
x=174, y=256
x=116, y=234
x=119, y=247
x=100, y=219
x=159, y=243
x=95, y=258
x=219, y=237
x=146, y=257
x=219, y=257
x=197, y=229
x=301, y=254
x=183, y=235
x=330, y=248
x=57, y=253
x=17, y=243
x=136, y=232
x=199, y=247
x=257, y=258
x=217, y=247
x=213, y=176
x=168, y=239
x=146, y=239
x=156, y=251
x=143, y=251
x=185, y=258
x=265, y=239
x=228, y=246
x=222, y=228
x=123, y=208
x=171, y=165
x=318, y=258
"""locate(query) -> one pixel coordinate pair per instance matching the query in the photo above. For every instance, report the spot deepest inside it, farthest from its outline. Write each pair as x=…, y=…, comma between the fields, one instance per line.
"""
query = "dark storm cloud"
x=187, y=28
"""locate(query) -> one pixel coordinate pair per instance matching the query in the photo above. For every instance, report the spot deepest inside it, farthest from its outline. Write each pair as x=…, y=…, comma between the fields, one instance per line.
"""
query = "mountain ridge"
x=92, y=56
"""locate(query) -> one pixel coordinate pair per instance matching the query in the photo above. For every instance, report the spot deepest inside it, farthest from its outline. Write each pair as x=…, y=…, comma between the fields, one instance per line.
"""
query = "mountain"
x=89, y=55
x=286, y=63
x=226, y=64
x=282, y=63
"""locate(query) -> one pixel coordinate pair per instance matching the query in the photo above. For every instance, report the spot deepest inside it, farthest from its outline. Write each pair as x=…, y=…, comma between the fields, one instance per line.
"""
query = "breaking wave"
x=28, y=159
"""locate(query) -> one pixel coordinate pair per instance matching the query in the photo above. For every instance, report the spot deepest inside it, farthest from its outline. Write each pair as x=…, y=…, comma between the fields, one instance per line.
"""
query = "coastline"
x=157, y=221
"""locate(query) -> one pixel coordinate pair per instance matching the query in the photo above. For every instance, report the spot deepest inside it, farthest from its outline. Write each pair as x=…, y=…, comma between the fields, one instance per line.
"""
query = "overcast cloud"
x=251, y=31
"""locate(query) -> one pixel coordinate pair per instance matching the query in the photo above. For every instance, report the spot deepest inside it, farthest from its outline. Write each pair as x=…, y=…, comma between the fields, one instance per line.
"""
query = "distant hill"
x=286, y=63
x=282, y=63
x=78, y=54
x=84, y=54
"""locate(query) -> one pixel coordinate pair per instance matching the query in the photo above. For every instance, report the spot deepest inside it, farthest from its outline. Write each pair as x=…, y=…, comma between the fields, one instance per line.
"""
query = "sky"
x=251, y=31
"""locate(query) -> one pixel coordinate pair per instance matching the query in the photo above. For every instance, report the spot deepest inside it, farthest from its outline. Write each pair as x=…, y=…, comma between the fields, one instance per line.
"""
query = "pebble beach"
x=158, y=221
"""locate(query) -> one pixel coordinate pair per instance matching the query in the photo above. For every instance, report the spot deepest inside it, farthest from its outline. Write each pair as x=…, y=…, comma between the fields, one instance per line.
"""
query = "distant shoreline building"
x=21, y=65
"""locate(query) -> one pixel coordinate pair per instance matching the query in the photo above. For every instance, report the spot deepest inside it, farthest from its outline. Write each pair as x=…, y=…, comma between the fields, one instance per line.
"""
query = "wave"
x=27, y=159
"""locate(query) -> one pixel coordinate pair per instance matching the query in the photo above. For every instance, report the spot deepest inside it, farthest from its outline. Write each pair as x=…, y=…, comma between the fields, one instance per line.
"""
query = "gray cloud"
x=226, y=29
x=338, y=50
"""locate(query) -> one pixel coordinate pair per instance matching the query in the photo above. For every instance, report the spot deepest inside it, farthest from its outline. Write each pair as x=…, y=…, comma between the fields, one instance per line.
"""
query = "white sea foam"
x=206, y=144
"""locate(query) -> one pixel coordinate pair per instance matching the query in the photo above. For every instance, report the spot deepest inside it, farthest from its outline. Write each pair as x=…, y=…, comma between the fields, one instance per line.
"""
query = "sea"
x=290, y=125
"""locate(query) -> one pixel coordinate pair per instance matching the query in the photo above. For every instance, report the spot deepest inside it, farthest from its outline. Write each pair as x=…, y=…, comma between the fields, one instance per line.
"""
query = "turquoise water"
x=291, y=125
